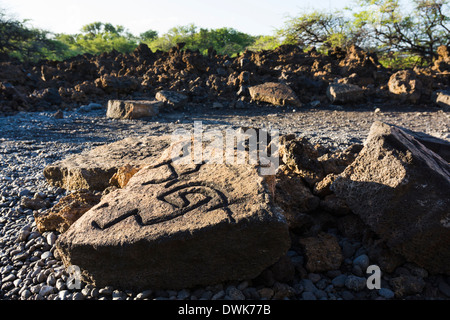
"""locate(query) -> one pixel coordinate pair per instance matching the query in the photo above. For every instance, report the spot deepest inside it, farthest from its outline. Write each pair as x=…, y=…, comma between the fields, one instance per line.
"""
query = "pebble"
x=29, y=266
x=362, y=261
x=355, y=283
x=386, y=293
x=308, y=296
x=144, y=295
x=266, y=293
x=45, y=291
x=444, y=288
x=339, y=281
x=78, y=296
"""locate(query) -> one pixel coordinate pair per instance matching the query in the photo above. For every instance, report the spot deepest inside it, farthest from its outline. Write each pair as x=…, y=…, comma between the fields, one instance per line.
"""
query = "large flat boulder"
x=400, y=189
x=275, y=93
x=132, y=109
x=179, y=226
x=344, y=93
x=93, y=169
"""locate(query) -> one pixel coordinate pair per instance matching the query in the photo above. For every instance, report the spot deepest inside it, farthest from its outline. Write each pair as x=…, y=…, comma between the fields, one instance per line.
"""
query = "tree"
x=148, y=35
x=393, y=29
x=98, y=37
x=17, y=40
x=265, y=43
x=320, y=29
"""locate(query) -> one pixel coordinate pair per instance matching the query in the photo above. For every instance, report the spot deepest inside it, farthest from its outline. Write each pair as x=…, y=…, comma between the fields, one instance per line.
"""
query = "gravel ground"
x=31, y=270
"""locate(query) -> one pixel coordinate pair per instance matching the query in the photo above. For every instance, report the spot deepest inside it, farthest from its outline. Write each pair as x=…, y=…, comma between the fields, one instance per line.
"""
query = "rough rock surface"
x=123, y=175
x=131, y=109
x=172, y=99
x=405, y=85
x=275, y=93
x=322, y=253
x=299, y=155
x=68, y=210
x=344, y=92
x=94, y=169
x=442, y=98
x=400, y=189
x=179, y=226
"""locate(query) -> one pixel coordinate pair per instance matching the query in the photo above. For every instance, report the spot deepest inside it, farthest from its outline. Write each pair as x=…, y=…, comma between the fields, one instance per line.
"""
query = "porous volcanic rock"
x=93, y=169
x=130, y=109
x=406, y=86
x=344, y=92
x=178, y=226
x=400, y=189
x=322, y=252
x=68, y=210
x=275, y=93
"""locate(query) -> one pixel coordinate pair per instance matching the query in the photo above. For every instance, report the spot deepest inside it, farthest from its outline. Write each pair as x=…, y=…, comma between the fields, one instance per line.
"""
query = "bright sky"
x=255, y=17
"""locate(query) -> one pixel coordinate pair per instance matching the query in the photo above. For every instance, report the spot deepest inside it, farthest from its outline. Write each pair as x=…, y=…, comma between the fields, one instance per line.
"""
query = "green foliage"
x=320, y=29
x=224, y=40
x=386, y=27
x=265, y=43
x=17, y=40
x=97, y=37
x=418, y=31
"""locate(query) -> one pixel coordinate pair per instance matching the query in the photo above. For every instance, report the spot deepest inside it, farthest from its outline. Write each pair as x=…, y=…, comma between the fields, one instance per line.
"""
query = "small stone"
x=362, y=261
x=218, y=295
x=46, y=255
x=183, y=294
x=386, y=293
x=118, y=295
x=51, y=281
x=25, y=294
x=314, y=277
x=78, y=296
x=266, y=293
x=106, y=291
x=235, y=294
x=347, y=295
x=243, y=285
x=45, y=291
x=444, y=288
x=144, y=295
x=355, y=283
x=51, y=238
x=60, y=285
x=405, y=285
x=63, y=294
x=339, y=281
x=9, y=278
x=23, y=235
x=41, y=277
x=308, y=296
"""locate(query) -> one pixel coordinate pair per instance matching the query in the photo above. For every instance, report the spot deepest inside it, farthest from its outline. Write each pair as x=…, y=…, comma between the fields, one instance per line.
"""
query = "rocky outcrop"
x=399, y=188
x=178, y=226
x=93, y=169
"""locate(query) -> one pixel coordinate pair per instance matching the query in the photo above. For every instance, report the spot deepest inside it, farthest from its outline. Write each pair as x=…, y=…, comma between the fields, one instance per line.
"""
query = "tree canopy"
x=386, y=27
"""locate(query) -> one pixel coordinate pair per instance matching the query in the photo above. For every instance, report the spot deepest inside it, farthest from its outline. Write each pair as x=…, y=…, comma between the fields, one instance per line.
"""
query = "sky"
x=255, y=17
